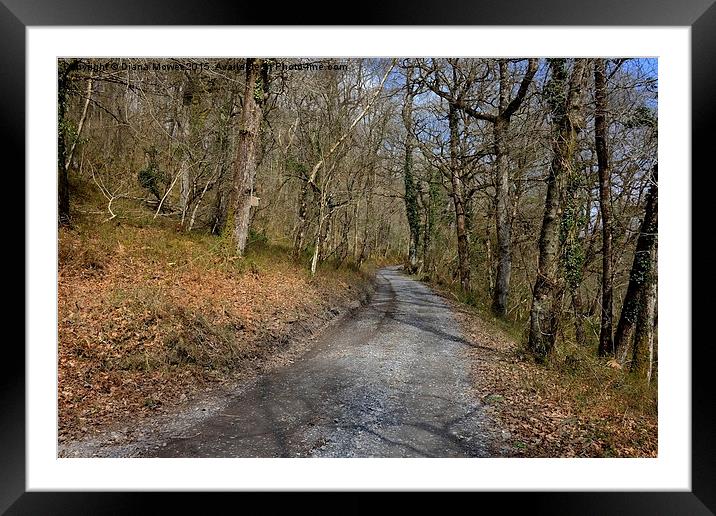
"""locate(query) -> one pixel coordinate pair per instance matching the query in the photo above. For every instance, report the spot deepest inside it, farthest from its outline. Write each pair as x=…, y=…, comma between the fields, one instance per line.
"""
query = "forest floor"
x=150, y=318
x=576, y=406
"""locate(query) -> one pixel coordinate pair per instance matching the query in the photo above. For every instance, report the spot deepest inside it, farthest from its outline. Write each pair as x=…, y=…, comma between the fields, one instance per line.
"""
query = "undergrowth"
x=149, y=314
x=611, y=411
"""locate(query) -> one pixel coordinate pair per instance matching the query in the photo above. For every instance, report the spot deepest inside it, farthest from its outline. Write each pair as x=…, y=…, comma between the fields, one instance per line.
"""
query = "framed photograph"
x=370, y=257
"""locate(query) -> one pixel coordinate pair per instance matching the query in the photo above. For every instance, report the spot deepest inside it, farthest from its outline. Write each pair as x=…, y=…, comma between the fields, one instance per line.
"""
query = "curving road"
x=391, y=381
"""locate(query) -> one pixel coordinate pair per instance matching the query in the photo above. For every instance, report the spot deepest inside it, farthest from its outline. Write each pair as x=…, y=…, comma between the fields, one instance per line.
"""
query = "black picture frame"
x=700, y=15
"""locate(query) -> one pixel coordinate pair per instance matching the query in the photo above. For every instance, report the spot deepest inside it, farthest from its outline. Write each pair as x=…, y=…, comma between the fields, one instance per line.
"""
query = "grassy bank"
x=148, y=316
x=577, y=405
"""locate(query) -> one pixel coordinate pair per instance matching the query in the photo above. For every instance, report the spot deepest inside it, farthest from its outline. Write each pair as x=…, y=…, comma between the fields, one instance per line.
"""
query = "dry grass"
x=147, y=316
x=577, y=406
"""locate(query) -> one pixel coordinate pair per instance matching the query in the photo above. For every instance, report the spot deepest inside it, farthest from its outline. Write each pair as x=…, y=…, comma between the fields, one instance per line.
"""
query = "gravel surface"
x=392, y=380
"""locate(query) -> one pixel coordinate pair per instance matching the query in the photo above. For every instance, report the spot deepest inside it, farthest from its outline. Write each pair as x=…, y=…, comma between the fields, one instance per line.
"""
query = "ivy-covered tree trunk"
x=564, y=96
x=63, y=187
x=606, y=341
x=429, y=203
x=571, y=241
x=300, y=236
x=640, y=273
x=643, y=357
x=248, y=147
x=458, y=196
x=411, y=194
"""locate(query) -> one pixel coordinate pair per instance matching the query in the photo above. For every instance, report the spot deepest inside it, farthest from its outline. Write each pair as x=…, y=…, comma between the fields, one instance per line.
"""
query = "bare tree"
x=452, y=85
x=500, y=125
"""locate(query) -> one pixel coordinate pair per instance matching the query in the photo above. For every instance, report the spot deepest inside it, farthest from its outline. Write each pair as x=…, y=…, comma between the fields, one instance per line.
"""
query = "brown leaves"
x=115, y=328
x=614, y=364
x=547, y=413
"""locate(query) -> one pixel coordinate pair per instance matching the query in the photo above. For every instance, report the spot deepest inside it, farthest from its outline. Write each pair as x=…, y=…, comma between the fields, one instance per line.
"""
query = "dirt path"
x=391, y=381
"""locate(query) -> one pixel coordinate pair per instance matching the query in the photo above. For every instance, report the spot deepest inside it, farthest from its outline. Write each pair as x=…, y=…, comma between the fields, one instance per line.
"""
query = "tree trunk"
x=219, y=209
x=63, y=187
x=578, y=317
x=80, y=124
x=640, y=271
x=247, y=155
x=606, y=341
x=356, y=211
x=500, y=124
x=502, y=215
x=300, y=236
x=324, y=251
x=185, y=171
x=342, y=247
x=643, y=356
x=458, y=197
x=411, y=195
x=565, y=103
x=429, y=225
x=319, y=233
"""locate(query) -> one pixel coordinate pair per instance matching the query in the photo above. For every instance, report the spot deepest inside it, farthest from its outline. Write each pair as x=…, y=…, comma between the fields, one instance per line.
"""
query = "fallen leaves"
x=546, y=413
x=614, y=364
x=140, y=328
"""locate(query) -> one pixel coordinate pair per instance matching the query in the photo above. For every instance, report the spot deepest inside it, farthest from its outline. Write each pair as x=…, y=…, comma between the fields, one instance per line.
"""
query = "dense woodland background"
x=524, y=186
